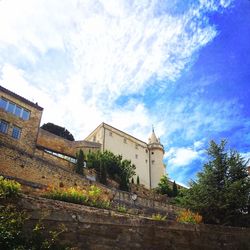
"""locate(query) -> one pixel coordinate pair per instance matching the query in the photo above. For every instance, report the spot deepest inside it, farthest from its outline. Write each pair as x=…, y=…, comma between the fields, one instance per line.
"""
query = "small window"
x=94, y=138
x=146, y=161
x=16, y=132
x=136, y=146
x=18, y=111
x=153, y=162
x=4, y=127
x=146, y=151
x=25, y=114
x=3, y=103
x=11, y=107
x=124, y=140
x=152, y=153
x=136, y=156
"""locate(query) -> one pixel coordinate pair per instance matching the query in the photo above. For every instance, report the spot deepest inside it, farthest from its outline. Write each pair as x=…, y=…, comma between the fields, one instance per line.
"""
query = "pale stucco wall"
x=132, y=149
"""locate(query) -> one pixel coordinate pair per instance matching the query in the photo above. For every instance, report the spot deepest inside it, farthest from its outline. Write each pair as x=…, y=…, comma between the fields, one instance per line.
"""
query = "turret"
x=156, y=166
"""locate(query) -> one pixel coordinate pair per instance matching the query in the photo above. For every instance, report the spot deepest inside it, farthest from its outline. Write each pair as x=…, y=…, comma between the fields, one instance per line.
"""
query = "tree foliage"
x=80, y=158
x=163, y=186
x=108, y=165
x=221, y=192
x=174, y=190
x=58, y=130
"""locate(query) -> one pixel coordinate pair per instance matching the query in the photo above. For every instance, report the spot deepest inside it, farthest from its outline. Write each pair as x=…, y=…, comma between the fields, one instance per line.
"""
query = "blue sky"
x=183, y=66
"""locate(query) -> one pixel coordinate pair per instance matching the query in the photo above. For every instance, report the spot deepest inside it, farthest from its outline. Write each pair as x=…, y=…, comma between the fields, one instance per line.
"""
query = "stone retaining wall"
x=91, y=228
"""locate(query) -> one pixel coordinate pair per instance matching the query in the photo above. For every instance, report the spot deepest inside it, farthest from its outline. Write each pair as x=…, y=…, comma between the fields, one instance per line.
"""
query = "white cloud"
x=110, y=48
x=246, y=156
x=180, y=157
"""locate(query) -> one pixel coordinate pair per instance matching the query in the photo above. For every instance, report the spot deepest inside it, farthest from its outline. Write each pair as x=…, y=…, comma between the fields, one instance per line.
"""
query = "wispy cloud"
x=112, y=48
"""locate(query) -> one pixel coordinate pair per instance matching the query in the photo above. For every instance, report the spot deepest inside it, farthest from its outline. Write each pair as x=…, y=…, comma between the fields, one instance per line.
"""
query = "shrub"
x=72, y=194
x=9, y=188
x=95, y=198
x=121, y=209
x=159, y=217
x=186, y=216
x=12, y=235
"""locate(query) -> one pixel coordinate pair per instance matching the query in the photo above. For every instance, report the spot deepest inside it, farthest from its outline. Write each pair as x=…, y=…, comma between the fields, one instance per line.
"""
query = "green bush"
x=72, y=195
x=121, y=209
x=159, y=217
x=9, y=188
x=12, y=235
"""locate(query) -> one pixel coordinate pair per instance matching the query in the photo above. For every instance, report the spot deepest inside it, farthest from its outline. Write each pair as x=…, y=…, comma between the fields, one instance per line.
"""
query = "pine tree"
x=80, y=162
x=132, y=180
x=138, y=180
x=221, y=192
x=174, y=190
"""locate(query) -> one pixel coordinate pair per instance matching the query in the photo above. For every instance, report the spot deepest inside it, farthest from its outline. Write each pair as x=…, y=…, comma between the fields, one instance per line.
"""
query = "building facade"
x=20, y=129
x=19, y=121
x=147, y=157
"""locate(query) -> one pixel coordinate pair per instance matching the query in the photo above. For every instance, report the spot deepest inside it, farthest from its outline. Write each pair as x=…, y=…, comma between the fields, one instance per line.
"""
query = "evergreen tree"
x=138, y=180
x=174, y=190
x=221, y=192
x=80, y=162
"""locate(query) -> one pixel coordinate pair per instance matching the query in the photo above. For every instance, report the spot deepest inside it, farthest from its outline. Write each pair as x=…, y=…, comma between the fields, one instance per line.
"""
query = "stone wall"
x=40, y=170
x=91, y=228
x=20, y=164
x=60, y=145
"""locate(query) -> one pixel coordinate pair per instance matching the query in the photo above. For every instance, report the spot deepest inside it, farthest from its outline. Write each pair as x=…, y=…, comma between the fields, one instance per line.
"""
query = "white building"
x=147, y=157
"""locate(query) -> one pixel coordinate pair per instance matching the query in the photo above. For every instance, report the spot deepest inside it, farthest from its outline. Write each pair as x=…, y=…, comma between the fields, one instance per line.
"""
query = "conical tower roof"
x=153, y=138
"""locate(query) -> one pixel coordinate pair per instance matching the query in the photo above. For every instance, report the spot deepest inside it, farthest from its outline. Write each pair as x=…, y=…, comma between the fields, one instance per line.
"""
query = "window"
x=124, y=140
x=11, y=107
x=16, y=132
x=153, y=162
x=18, y=111
x=136, y=156
x=25, y=114
x=136, y=146
x=146, y=151
x=3, y=103
x=4, y=126
x=146, y=161
x=14, y=109
x=152, y=153
x=110, y=133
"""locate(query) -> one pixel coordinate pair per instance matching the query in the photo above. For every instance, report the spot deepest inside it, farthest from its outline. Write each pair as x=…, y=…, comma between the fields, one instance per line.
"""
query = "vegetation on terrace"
x=12, y=233
x=107, y=165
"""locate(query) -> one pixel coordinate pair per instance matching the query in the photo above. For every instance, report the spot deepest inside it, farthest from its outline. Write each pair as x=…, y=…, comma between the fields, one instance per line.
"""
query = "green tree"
x=127, y=171
x=108, y=165
x=138, y=180
x=221, y=192
x=80, y=162
x=174, y=190
x=163, y=186
x=58, y=130
x=132, y=180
